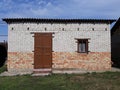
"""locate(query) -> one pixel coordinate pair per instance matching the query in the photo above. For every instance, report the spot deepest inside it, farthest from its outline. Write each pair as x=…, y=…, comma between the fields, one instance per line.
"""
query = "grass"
x=88, y=81
x=3, y=68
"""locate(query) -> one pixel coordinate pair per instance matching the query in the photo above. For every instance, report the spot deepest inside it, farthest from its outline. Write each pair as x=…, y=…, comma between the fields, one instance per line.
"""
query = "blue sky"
x=95, y=9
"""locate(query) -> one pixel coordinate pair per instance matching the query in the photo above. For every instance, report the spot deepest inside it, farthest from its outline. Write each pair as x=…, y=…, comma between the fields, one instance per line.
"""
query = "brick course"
x=92, y=61
x=20, y=61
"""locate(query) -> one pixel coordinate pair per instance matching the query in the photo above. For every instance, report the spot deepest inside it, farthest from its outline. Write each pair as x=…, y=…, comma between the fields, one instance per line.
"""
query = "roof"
x=114, y=28
x=11, y=20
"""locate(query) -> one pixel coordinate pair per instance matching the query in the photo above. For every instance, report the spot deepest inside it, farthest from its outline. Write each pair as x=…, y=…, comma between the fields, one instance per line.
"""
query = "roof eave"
x=10, y=20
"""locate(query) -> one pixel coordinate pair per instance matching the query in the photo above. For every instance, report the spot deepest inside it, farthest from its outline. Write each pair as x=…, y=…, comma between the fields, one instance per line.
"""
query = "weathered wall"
x=21, y=41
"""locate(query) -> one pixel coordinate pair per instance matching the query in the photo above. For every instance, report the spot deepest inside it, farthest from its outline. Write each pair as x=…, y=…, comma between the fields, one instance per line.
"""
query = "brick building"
x=58, y=45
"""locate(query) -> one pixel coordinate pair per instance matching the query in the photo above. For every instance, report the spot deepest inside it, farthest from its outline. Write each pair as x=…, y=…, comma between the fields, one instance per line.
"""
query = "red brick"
x=101, y=60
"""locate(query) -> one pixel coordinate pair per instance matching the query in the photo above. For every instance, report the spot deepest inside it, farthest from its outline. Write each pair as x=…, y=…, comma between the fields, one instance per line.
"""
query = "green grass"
x=93, y=81
x=3, y=68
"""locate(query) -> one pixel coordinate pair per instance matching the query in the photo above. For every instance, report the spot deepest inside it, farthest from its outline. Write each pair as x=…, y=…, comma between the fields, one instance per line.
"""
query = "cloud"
x=60, y=8
x=101, y=9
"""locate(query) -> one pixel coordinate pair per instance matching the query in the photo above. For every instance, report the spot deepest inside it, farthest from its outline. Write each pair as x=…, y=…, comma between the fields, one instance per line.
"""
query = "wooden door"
x=43, y=50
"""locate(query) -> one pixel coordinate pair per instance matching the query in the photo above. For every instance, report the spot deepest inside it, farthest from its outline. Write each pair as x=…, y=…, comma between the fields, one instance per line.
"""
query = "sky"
x=80, y=9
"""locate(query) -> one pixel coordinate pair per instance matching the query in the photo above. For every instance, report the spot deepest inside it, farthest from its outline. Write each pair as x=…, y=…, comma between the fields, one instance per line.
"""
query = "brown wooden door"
x=43, y=50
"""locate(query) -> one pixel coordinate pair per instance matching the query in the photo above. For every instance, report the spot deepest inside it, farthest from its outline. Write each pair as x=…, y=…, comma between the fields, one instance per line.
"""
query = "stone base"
x=75, y=71
x=95, y=61
x=20, y=62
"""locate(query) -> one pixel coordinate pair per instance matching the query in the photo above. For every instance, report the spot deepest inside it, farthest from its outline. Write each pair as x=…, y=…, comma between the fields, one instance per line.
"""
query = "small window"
x=63, y=29
x=12, y=28
x=28, y=28
x=82, y=45
x=45, y=29
x=105, y=29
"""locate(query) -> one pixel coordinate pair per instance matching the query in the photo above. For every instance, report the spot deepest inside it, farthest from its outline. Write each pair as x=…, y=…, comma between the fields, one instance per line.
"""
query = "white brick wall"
x=20, y=39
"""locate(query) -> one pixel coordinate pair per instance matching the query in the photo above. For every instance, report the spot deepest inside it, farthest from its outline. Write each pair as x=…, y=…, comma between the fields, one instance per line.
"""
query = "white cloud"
x=60, y=8
x=41, y=2
x=39, y=12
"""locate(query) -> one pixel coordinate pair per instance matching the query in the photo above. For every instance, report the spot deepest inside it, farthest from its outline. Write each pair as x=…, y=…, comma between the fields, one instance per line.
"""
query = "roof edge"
x=10, y=20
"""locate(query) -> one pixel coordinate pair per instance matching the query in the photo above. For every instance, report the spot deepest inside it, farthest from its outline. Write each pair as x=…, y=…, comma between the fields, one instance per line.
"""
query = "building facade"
x=58, y=44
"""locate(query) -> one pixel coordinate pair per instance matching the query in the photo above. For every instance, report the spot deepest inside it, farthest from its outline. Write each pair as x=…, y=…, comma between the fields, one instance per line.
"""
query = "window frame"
x=86, y=45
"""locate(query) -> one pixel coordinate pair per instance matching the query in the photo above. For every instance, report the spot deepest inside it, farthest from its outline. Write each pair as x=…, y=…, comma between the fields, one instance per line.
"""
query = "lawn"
x=88, y=81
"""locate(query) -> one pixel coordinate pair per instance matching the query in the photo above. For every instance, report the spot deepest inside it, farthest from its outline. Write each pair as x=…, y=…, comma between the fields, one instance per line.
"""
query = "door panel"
x=43, y=50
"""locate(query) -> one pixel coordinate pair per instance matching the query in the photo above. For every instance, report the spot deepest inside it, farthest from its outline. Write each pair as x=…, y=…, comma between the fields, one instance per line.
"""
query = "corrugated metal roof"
x=41, y=20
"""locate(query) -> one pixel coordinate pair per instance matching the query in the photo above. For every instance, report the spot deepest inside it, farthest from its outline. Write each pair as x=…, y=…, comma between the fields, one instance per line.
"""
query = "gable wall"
x=21, y=44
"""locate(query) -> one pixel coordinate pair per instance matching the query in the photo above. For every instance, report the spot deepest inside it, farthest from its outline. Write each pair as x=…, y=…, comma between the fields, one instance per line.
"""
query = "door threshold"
x=43, y=69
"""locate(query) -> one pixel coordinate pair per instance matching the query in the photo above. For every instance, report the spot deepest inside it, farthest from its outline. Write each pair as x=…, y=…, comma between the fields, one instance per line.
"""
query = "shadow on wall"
x=3, y=55
x=115, y=52
x=116, y=62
